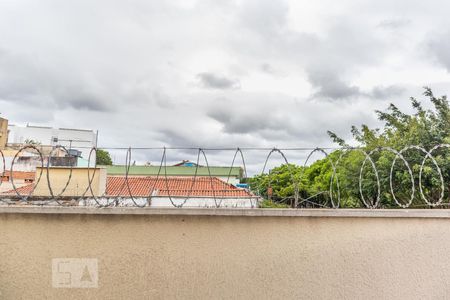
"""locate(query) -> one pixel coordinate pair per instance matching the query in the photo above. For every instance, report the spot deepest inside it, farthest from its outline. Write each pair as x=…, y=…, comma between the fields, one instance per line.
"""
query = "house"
x=153, y=191
x=185, y=163
x=21, y=179
x=186, y=191
x=27, y=160
x=14, y=139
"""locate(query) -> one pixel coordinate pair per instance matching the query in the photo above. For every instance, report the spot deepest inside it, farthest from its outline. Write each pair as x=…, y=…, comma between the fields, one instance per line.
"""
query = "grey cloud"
x=87, y=102
x=264, y=15
x=386, y=92
x=328, y=85
x=20, y=79
x=162, y=99
x=267, y=68
x=176, y=138
x=34, y=114
x=329, y=58
x=147, y=93
x=26, y=81
x=193, y=137
x=214, y=81
x=394, y=23
x=242, y=123
x=278, y=118
x=439, y=48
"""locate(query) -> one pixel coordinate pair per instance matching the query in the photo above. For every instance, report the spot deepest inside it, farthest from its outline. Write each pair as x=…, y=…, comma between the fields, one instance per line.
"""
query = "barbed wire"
x=255, y=193
x=25, y=198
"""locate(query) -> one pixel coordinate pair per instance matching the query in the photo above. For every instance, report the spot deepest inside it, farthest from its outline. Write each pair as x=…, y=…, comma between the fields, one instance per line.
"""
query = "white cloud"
x=231, y=73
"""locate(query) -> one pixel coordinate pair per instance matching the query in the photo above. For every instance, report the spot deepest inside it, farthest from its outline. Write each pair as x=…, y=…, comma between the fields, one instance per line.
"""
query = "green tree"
x=103, y=158
x=425, y=128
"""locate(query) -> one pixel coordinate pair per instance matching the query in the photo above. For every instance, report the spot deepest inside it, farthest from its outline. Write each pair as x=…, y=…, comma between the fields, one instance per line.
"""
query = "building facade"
x=3, y=133
x=181, y=191
x=82, y=140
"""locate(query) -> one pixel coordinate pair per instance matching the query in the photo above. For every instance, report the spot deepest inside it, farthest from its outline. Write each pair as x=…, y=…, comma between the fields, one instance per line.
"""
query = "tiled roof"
x=173, y=186
x=23, y=190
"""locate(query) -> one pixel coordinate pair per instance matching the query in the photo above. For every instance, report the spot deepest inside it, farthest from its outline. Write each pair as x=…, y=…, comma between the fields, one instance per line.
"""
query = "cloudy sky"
x=258, y=73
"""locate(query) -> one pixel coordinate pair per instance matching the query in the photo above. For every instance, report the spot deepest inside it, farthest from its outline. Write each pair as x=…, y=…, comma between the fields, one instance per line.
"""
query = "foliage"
x=266, y=203
x=103, y=158
x=425, y=128
x=32, y=142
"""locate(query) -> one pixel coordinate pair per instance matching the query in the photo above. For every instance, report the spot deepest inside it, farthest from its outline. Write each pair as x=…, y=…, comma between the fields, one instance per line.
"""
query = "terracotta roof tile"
x=23, y=190
x=173, y=186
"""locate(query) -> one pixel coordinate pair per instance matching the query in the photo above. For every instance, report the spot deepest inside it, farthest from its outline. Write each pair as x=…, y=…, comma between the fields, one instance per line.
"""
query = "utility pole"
x=296, y=195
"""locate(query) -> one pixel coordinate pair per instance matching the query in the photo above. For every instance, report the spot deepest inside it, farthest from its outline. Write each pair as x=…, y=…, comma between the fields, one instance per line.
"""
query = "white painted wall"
x=205, y=202
x=82, y=140
x=23, y=166
x=200, y=202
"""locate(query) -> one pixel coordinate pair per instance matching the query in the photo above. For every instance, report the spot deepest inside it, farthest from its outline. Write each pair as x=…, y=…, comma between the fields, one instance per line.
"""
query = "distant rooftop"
x=175, y=171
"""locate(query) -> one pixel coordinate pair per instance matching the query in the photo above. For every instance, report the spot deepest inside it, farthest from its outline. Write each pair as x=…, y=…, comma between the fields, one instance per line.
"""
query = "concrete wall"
x=228, y=254
x=78, y=183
